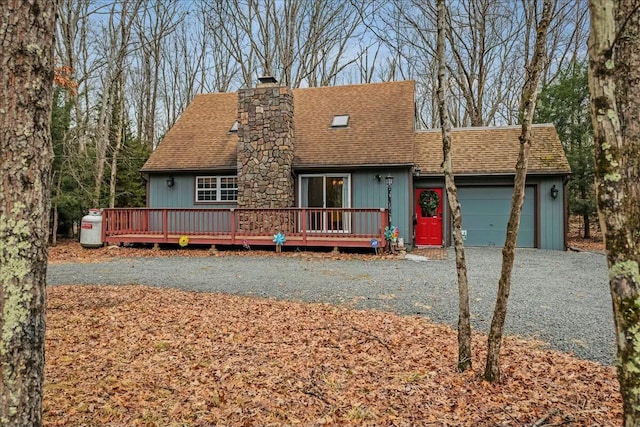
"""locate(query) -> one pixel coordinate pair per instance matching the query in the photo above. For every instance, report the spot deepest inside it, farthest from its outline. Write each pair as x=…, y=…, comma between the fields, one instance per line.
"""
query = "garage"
x=485, y=214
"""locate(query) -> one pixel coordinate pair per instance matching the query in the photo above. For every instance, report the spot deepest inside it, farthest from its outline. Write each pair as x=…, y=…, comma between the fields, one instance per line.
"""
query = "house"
x=320, y=158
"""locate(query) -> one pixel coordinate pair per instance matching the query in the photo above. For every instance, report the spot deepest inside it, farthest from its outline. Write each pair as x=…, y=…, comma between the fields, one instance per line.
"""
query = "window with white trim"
x=216, y=188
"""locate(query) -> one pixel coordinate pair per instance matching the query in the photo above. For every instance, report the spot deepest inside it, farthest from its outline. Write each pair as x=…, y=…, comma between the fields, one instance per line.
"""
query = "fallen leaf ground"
x=576, y=231
x=141, y=356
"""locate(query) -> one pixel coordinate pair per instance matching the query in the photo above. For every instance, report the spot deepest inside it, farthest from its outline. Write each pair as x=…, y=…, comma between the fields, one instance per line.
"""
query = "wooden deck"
x=302, y=227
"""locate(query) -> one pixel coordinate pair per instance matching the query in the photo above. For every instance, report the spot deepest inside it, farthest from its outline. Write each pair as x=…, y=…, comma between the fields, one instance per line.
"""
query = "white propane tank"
x=91, y=229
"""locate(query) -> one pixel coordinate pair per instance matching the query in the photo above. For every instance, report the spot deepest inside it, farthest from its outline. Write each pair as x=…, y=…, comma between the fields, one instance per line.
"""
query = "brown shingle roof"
x=380, y=129
x=200, y=139
x=491, y=150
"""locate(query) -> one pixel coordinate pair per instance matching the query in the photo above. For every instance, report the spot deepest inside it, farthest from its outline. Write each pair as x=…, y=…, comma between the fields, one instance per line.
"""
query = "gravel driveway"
x=559, y=297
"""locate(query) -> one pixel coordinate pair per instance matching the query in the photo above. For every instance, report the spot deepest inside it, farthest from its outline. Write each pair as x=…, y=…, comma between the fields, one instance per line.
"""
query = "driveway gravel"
x=559, y=297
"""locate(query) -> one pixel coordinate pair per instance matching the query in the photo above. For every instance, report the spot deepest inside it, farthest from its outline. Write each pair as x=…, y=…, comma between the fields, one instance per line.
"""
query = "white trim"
x=217, y=190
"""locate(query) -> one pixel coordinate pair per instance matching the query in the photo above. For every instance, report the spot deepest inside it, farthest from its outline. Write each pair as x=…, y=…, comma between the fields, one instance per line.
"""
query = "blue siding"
x=551, y=213
x=368, y=192
x=181, y=195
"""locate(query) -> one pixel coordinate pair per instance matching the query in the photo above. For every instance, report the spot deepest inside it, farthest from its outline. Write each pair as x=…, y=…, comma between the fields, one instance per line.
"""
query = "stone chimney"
x=265, y=146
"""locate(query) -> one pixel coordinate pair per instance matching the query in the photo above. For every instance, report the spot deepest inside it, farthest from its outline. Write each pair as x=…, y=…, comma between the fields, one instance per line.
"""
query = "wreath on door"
x=429, y=202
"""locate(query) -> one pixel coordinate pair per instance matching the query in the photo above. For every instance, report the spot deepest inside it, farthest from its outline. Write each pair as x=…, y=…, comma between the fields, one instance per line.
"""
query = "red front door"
x=428, y=204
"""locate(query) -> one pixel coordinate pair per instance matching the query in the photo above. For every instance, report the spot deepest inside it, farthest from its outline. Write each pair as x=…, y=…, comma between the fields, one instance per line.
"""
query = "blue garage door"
x=485, y=213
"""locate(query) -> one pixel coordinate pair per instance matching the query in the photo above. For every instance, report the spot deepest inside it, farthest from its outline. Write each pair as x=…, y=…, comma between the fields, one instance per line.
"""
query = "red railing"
x=234, y=226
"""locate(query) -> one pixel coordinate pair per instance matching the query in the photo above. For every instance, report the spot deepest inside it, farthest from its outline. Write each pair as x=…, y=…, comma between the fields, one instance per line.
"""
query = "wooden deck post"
x=165, y=225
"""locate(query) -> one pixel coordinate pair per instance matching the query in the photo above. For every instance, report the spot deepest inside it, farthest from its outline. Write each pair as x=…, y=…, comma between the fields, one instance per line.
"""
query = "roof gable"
x=379, y=131
x=380, y=128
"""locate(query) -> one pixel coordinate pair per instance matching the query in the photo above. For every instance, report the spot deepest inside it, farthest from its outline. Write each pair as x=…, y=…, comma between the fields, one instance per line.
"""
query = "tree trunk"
x=587, y=225
x=464, y=316
x=614, y=84
x=527, y=107
x=113, y=179
x=26, y=92
x=56, y=213
x=54, y=225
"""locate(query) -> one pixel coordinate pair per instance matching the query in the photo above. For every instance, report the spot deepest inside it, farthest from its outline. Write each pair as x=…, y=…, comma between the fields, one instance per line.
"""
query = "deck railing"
x=234, y=226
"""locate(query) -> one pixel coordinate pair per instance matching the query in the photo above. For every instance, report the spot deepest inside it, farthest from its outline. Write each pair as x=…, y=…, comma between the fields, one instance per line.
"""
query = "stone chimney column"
x=265, y=146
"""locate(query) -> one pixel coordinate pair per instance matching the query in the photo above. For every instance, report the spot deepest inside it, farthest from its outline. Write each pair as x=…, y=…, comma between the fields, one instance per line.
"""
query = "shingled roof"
x=491, y=151
x=380, y=129
x=200, y=139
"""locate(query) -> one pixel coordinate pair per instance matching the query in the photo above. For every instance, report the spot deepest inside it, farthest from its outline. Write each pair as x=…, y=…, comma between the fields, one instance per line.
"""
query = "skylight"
x=340, y=121
x=234, y=127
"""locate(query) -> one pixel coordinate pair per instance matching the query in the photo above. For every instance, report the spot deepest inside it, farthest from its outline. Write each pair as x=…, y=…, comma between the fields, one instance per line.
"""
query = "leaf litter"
x=144, y=356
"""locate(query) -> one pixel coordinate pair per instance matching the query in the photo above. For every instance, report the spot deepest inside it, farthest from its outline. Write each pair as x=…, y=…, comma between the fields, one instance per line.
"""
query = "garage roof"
x=491, y=151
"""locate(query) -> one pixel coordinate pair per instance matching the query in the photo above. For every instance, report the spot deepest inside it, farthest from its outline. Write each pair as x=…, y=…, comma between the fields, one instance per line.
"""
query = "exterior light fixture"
x=416, y=171
x=389, y=181
x=170, y=182
x=554, y=192
x=378, y=177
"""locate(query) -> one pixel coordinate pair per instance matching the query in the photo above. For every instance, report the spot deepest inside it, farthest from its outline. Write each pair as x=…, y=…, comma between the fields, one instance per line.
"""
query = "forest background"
x=127, y=69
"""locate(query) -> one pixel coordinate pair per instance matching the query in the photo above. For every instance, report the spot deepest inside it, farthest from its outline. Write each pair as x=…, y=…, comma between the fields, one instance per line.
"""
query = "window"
x=216, y=189
x=341, y=121
x=320, y=192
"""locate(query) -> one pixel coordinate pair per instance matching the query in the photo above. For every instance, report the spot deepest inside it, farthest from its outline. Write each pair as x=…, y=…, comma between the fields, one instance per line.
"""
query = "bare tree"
x=192, y=62
x=300, y=42
x=614, y=83
x=118, y=31
x=26, y=88
x=464, y=316
x=527, y=107
x=117, y=135
x=487, y=43
x=568, y=34
x=153, y=26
